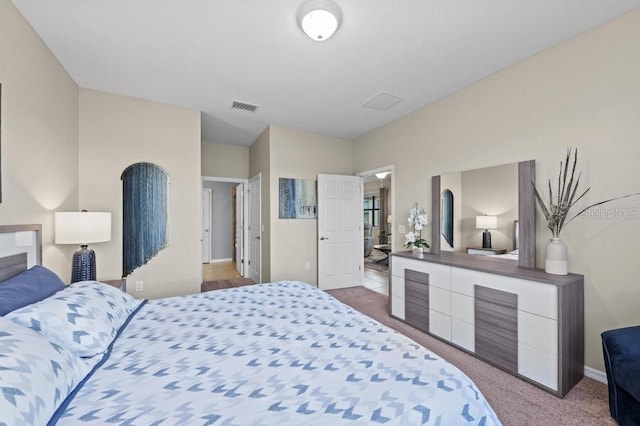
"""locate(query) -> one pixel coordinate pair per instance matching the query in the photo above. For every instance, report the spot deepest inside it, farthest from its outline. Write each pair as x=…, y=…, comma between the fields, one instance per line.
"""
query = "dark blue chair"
x=621, y=349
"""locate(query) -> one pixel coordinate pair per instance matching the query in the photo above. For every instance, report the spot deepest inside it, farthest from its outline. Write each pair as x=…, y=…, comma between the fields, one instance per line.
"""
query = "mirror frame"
x=526, y=214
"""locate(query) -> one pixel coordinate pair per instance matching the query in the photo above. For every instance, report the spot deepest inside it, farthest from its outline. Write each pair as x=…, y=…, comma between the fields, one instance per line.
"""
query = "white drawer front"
x=534, y=297
x=463, y=307
x=538, y=365
x=397, y=306
x=539, y=332
x=463, y=334
x=440, y=300
x=440, y=324
x=397, y=286
x=439, y=275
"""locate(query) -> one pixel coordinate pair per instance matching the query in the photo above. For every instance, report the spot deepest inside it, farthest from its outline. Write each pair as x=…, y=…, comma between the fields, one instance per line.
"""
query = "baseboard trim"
x=596, y=375
x=228, y=259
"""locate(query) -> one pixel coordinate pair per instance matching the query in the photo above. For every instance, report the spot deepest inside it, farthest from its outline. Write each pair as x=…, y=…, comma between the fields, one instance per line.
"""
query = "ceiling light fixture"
x=381, y=175
x=319, y=19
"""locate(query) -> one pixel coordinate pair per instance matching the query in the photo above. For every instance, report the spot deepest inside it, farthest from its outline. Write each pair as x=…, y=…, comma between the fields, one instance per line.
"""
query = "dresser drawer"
x=533, y=297
x=439, y=275
x=397, y=306
x=440, y=324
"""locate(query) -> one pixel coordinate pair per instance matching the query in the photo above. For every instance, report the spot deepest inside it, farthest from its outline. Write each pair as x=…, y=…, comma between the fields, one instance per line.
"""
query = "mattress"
x=282, y=353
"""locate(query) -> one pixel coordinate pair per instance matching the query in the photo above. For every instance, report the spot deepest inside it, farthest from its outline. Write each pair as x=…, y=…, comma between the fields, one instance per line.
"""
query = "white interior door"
x=255, y=230
x=205, y=239
x=340, y=237
x=239, y=231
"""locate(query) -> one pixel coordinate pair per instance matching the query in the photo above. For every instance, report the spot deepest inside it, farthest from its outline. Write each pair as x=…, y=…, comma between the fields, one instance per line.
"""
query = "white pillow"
x=83, y=318
x=36, y=375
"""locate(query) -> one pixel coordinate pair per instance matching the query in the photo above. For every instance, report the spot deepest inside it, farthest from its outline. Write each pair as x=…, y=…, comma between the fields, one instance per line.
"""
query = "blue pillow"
x=28, y=287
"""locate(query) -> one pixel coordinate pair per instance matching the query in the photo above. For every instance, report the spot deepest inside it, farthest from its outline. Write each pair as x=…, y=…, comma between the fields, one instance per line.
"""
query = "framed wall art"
x=298, y=199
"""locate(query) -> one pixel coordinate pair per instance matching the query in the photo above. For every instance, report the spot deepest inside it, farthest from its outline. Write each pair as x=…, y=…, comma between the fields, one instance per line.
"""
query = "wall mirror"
x=500, y=199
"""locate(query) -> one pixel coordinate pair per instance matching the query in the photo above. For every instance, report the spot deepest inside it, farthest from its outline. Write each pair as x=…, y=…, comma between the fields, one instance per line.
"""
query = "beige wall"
x=583, y=93
x=302, y=155
x=222, y=160
x=39, y=147
x=117, y=131
x=260, y=163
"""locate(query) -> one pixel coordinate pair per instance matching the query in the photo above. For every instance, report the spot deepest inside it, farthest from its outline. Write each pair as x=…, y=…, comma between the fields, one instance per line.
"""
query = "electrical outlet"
x=139, y=285
x=307, y=266
x=402, y=229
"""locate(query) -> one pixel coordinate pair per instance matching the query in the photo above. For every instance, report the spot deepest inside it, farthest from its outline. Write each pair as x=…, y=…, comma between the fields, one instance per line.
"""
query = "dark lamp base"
x=486, y=239
x=83, y=267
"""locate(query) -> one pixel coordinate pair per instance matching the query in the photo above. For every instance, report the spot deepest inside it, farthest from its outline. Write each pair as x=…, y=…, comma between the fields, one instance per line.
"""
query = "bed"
x=267, y=354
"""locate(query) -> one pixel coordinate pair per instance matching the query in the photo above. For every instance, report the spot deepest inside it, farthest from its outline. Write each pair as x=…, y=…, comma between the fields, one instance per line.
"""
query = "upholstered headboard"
x=20, y=248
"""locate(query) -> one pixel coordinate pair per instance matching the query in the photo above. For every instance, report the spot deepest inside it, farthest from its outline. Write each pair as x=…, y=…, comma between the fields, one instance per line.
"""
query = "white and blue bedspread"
x=270, y=354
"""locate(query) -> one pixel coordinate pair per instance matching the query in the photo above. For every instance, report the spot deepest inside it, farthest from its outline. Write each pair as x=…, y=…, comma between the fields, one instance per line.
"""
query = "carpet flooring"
x=227, y=283
x=515, y=401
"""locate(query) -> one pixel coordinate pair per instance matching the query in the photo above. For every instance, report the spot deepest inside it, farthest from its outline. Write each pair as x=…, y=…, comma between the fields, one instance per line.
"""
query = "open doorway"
x=377, y=223
x=223, y=232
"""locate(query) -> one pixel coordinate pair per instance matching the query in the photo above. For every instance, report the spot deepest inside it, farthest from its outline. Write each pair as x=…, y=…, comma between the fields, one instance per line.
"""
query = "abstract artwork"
x=298, y=199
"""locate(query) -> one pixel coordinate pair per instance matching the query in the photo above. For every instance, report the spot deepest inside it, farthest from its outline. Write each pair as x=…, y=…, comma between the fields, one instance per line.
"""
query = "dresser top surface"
x=492, y=265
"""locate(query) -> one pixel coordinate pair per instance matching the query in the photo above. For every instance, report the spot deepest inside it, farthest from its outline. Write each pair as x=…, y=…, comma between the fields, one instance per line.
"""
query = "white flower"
x=409, y=238
x=417, y=221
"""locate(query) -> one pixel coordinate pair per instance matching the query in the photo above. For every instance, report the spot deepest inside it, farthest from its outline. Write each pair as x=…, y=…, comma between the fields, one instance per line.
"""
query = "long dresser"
x=522, y=320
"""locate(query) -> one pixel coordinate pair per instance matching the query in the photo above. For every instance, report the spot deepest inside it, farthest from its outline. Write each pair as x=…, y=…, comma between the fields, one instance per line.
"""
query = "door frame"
x=257, y=177
x=208, y=219
x=245, y=213
x=390, y=168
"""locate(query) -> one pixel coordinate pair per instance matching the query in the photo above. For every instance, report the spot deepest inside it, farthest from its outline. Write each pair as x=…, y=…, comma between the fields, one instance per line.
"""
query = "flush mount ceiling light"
x=319, y=19
x=381, y=175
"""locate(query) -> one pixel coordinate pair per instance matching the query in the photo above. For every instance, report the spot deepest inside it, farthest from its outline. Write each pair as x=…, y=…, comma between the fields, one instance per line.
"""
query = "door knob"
x=323, y=238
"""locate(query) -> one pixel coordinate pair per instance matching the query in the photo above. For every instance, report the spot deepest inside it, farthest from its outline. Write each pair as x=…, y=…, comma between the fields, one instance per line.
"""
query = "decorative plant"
x=558, y=209
x=417, y=221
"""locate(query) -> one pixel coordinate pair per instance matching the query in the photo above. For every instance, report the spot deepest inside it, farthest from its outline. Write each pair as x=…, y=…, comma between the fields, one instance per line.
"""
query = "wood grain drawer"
x=496, y=327
x=416, y=311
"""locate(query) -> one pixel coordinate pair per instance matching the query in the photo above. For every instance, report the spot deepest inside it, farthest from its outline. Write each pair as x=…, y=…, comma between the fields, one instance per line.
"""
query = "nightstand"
x=120, y=283
x=485, y=251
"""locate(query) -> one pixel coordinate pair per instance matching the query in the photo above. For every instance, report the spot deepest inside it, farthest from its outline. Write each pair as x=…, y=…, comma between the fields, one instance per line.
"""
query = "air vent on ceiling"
x=244, y=106
x=382, y=101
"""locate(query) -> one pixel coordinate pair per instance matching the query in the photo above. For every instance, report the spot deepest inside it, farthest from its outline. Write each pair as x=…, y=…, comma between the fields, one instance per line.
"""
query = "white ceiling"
x=202, y=54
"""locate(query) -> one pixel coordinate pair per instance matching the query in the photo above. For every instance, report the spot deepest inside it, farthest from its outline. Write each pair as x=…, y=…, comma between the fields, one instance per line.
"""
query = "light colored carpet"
x=515, y=401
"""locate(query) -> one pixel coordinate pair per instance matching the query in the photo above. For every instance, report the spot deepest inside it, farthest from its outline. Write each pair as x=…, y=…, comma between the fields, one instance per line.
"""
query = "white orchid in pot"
x=417, y=221
x=557, y=212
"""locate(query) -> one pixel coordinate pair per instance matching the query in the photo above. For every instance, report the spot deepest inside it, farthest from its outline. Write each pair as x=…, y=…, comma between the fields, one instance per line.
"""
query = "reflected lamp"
x=486, y=223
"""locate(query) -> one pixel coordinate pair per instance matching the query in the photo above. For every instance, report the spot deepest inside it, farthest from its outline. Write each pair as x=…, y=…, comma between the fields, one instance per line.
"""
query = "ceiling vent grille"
x=244, y=106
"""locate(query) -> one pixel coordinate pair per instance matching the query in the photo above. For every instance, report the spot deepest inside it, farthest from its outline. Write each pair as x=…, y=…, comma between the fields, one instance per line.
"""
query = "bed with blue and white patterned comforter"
x=269, y=354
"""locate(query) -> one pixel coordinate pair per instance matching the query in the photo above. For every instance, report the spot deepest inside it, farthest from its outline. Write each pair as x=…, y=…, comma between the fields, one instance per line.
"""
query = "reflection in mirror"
x=447, y=216
x=492, y=191
x=503, y=191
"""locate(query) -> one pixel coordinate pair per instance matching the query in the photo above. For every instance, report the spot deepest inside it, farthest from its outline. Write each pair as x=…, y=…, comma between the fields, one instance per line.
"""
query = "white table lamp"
x=83, y=228
x=486, y=223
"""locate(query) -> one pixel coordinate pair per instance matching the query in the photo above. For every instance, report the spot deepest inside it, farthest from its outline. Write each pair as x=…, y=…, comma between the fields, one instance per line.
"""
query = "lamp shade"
x=319, y=19
x=487, y=222
x=82, y=227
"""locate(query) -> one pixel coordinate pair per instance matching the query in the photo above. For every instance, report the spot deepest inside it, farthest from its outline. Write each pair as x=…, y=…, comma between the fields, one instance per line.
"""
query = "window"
x=371, y=210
